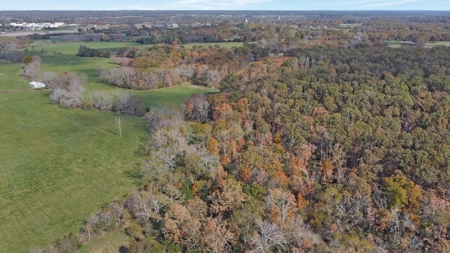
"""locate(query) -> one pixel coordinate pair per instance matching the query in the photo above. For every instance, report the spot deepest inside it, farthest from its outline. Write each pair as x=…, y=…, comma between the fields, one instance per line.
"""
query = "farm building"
x=37, y=85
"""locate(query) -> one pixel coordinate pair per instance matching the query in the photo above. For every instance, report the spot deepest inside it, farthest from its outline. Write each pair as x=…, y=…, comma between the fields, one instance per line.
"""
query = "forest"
x=314, y=142
x=324, y=150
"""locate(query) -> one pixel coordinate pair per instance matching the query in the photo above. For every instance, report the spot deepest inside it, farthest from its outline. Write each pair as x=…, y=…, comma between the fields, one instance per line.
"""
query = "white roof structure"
x=37, y=85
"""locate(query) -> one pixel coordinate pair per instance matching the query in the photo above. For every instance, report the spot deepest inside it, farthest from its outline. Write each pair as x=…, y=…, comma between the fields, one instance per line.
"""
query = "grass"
x=170, y=96
x=108, y=244
x=393, y=43
x=397, y=44
x=61, y=165
x=438, y=43
x=9, y=77
x=350, y=26
x=58, y=167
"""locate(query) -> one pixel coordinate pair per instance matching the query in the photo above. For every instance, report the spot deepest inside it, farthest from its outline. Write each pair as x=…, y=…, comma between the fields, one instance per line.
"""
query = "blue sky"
x=226, y=5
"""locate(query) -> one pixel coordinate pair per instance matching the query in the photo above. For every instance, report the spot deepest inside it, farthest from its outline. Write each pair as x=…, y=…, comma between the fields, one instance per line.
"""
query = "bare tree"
x=269, y=235
x=281, y=200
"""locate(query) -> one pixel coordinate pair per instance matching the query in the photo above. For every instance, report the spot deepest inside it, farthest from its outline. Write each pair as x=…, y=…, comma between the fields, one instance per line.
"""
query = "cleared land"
x=438, y=43
x=397, y=44
x=393, y=43
x=350, y=26
x=61, y=165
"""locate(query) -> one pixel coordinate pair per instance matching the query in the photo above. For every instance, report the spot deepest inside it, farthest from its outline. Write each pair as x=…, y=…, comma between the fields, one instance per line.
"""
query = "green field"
x=393, y=43
x=58, y=166
x=107, y=244
x=438, y=43
x=397, y=44
x=170, y=96
x=350, y=26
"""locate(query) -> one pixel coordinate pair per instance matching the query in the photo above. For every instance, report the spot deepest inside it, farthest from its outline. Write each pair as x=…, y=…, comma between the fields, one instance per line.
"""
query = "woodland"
x=316, y=141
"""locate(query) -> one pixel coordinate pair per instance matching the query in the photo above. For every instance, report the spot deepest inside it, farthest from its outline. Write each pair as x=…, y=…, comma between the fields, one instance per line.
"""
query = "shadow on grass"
x=142, y=150
x=135, y=175
x=123, y=249
x=107, y=130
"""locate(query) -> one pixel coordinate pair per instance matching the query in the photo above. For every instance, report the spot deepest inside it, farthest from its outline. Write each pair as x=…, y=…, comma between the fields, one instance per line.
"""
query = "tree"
x=269, y=235
x=217, y=236
x=281, y=205
x=401, y=192
x=27, y=59
x=226, y=197
x=181, y=227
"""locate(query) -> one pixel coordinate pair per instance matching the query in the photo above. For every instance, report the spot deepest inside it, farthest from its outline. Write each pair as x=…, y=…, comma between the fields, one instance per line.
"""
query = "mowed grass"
x=438, y=43
x=398, y=44
x=393, y=43
x=9, y=77
x=170, y=97
x=58, y=166
x=350, y=26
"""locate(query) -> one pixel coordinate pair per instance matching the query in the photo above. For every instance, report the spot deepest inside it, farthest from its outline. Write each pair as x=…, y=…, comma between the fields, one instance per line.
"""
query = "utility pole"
x=120, y=128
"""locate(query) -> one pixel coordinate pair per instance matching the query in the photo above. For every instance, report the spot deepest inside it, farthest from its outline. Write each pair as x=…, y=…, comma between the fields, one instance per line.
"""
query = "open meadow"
x=398, y=44
x=350, y=26
x=61, y=165
x=438, y=43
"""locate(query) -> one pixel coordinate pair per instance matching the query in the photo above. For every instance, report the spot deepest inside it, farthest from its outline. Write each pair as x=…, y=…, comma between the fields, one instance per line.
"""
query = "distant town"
x=35, y=26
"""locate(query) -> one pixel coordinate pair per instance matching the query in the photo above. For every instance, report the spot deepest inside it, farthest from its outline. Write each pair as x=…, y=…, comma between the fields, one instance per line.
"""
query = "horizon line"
x=393, y=10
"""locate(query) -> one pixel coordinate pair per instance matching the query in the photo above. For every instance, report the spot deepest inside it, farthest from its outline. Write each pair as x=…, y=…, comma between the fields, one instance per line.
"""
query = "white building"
x=37, y=85
x=173, y=26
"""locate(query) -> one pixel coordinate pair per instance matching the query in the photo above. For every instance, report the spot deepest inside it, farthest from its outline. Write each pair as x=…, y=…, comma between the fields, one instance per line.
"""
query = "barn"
x=37, y=85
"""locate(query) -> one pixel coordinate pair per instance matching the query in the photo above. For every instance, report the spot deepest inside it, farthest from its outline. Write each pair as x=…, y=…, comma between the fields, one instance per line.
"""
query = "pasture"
x=393, y=43
x=397, y=44
x=350, y=26
x=61, y=165
x=438, y=43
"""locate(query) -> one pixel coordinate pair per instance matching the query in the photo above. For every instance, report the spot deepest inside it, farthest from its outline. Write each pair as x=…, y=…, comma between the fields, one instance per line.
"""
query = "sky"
x=226, y=5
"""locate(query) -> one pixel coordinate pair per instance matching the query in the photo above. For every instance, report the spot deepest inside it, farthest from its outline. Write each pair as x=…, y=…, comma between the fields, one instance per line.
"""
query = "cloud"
x=371, y=4
x=390, y=3
x=200, y=5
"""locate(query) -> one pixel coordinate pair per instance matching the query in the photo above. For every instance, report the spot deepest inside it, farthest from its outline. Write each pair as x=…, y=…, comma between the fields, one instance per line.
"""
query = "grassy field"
x=108, y=244
x=393, y=43
x=397, y=44
x=438, y=43
x=350, y=26
x=173, y=96
x=61, y=165
x=9, y=77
